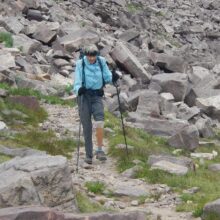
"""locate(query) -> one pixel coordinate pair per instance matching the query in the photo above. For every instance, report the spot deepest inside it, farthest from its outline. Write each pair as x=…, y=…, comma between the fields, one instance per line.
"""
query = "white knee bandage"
x=99, y=124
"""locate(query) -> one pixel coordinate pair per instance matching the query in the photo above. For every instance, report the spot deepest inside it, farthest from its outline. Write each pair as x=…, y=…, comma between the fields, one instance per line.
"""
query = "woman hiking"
x=91, y=75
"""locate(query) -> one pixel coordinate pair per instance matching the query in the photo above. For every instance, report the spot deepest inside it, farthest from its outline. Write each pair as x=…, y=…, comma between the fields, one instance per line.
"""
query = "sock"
x=100, y=149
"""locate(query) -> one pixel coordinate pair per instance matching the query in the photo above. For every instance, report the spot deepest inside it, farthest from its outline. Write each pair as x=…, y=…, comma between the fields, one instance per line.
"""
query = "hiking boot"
x=88, y=160
x=100, y=155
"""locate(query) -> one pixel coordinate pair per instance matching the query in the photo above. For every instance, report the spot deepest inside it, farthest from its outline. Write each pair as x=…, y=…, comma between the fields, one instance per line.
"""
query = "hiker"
x=91, y=75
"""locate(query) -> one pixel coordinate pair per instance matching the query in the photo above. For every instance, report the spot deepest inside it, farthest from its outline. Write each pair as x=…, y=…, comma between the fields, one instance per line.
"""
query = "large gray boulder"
x=167, y=62
x=26, y=44
x=212, y=210
x=122, y=55
x=75, y=40
x=156, y=126
x=210, y=105
x=187, y=138
x=36, y=180
x=174, y=83
x=12, y=24
x=197, y=74
x=149, y=103
x=204, y=126
x=44, y=213
x=7, y=61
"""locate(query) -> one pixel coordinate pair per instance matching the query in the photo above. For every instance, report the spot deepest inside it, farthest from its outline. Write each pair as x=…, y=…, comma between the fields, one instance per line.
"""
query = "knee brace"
x=99, y=124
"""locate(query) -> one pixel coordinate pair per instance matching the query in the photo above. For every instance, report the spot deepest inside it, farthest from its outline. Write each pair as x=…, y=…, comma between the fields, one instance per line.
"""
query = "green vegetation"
x=85, y=205
x=4, y=158
x=145, y=145
x=50, y=99
x=95, y=187
x=46, y=141
x=6, y=38
x=13, y=113
x=133, y=8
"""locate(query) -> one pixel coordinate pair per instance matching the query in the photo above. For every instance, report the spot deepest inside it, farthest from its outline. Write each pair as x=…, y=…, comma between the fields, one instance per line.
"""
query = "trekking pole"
x=79, y=134
x=122, y=120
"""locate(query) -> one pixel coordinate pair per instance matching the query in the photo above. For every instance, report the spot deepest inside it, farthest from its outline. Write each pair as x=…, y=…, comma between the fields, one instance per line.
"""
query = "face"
x=91, y=59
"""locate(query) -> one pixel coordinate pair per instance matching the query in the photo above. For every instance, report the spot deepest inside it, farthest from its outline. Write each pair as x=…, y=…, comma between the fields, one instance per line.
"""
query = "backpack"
x=81, y=56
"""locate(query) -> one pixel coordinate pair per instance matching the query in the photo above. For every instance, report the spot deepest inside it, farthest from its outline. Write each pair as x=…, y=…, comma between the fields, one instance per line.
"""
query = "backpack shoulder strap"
x=101, y=67
x=83, y=73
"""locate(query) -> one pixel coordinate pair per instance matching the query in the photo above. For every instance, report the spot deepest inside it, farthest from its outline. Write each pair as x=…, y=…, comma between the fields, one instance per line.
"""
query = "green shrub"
x=6, y=38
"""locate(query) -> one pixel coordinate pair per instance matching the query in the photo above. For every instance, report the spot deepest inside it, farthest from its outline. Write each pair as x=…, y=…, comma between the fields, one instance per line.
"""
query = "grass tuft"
x=6, y=38
x=95, y=187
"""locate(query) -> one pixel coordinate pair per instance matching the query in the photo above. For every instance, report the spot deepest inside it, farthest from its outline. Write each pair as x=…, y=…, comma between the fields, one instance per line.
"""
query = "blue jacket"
x=93, y=74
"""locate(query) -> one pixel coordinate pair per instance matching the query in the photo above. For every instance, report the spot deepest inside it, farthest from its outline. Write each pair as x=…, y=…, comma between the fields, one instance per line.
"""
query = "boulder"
x=3, y=126
x=11, y=24
x=45, y=34
x=170, y=167
x=7, y=61
x=27, y=101
x=20, y=152
x=182, y=161
x=45, y=213
x=36, y=180
x=168, y=96
x=211, y=210
x=204, y=126
x=174, y=83
x=187, y=113
x=214, y=167
x=78, y=39
x=187, y=138
x=131, y=172
x=210, y=105
x=3, y=93
x=26, y=44
x=129, y=35
x=197, y=74
x=148, y=103
x=123, y=56
x=168, y=63
x=156, y=126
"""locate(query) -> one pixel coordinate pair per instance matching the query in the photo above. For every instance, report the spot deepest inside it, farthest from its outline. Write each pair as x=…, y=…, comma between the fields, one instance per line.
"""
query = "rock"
x=182, y=161
x=168, y=63
x=35, y=85
x=20, y=152
x=122, y=55
x=156, y=126
x=134, y=203
x=7, y=61
x=33, y=14
x=211, y=106
x=204, y=127
x=174, y=83
x=78, y=39
x=216, y=69
x=198, y=73
x=61, y=62
x=3, y=126
x=187, y=138
x=170, y=167
x=168, y=96
x=25, y=181
x=214, y=167
x=44, y=34
x=3, y=93
x=192, y=190
x=129, y=35
x=26, y=44
x=148, y=103
x=44, y=213
x=130, y=189
x=187, y=113
x=131, y=173
x=27, y=101
x=11, y=24
x=123, y=146
x=211, y=209
x=133, y=100
x=207, y=156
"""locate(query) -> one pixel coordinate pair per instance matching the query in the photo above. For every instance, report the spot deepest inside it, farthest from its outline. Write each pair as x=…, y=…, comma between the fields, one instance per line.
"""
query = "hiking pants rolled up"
x=91, y=105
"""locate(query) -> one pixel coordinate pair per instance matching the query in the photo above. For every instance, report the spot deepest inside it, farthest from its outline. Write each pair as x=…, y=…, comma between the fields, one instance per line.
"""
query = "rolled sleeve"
x=77, y=77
